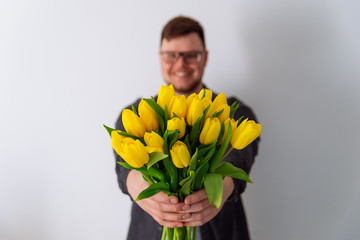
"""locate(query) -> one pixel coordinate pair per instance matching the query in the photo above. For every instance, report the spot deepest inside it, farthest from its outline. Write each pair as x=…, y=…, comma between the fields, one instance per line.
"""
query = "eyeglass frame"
x=183, y=55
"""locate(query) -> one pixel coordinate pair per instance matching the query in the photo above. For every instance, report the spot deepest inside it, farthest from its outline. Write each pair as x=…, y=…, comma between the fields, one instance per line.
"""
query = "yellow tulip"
x=178, y=106
x=132, y=123
x=210, y=131
x=245, y=134
x=177, y=123
x=165, y=95
x=219, y=100
x=206, y=102
x=133, y=152
x=225, y=114
x=116, y=139
x=194, y=111
x=226, y=123
x=208, y=93
x=154, y=142
x=190, y=98
x=180, y=154
x=148, y=116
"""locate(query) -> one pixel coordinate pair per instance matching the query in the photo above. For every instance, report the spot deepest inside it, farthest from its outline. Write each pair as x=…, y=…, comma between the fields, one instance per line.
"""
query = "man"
x=183, y=57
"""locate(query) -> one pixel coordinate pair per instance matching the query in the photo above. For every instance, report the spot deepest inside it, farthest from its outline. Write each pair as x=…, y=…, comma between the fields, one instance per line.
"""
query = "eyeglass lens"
x=189, y=57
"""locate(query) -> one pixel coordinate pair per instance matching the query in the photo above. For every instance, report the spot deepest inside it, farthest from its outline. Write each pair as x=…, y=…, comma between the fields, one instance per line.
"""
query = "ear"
x=206, y=57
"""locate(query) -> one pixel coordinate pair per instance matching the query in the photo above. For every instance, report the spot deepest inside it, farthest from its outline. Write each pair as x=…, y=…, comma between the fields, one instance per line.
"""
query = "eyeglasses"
x=189, y=57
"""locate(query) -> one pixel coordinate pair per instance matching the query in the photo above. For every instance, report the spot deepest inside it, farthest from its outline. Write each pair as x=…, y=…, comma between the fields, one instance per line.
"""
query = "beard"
x=188, y=89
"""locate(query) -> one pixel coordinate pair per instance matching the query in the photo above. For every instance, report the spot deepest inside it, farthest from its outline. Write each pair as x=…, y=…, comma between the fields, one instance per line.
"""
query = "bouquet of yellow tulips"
x=178, y=145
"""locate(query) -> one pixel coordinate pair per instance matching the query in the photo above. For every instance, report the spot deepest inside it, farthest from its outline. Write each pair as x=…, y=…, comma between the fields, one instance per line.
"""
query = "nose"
x=181, y=60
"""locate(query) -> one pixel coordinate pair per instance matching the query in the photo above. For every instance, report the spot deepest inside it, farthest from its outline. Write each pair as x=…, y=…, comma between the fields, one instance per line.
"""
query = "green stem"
x=170, y=233
x=227, y=153
x=163, y=237
x=188, y=233
x=147, y=178
x=194, y=233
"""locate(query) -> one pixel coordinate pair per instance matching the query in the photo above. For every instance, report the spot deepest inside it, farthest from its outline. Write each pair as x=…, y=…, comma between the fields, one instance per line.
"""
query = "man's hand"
x=197, y=204
x=167, y=211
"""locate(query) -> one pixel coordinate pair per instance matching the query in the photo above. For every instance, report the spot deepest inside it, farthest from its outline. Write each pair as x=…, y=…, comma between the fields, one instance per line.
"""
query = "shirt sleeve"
x=122, y=172
x=244, y=158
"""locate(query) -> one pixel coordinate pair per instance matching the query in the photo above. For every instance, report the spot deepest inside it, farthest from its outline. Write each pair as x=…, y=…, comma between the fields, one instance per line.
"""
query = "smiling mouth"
x=181, y=74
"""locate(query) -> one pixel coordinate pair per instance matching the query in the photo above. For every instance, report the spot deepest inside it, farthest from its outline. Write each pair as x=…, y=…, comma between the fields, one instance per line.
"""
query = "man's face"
x=184, y=76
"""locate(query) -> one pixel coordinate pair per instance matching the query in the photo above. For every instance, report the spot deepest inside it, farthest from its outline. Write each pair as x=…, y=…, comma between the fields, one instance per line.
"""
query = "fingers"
x=163, y=197
x=163, y=211
x=196, y=197
x=198, y=207
x=201, y=217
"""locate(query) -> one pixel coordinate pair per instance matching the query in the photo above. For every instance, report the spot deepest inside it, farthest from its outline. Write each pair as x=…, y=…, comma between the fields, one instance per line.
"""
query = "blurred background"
x=67, y=67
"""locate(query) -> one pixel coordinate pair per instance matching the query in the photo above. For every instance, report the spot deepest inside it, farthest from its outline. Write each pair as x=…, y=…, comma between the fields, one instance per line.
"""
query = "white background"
x=67, y=67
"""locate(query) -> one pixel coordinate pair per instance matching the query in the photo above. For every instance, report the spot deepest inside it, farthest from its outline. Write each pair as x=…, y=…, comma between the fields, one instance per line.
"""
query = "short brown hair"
x=180, y=26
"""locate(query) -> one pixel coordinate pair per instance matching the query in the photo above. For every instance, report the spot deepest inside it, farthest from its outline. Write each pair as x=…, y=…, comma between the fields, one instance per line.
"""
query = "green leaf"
x=195, y=131
x=208, y=155
x=154, y=105
x=173, y=136
x=229, y=170
x=128, y=135
x=216, y=114
x=109, y=129
x=157, y=173
x=172, y=173
x=217, y=158
x=158, y=111
x=203, y=94
x=182, y=182
x=233, y=108
x=203, y=149
x=143, y=169
x=165, y=144
x=199, y=176
x=174, y=115
x=134, y=110
x=152, y=190
x=126, y=165
x=186, y=187
x=187, y=143
x=239, y=120
x=166, y=117
x=214, y=188
x=222, y=131
x=155, y=157
x=193, y=161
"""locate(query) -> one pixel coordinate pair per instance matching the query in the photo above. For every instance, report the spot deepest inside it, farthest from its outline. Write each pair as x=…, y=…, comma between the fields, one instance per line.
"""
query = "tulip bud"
x=219, y=100
x=178, y=106
x=194, y=111
x=132, y=123
x=154, y=142
x=180, y=154
x=210, y=131
x=165, y=95
x=206, y=102
x=116, y=139
x=190, y=98
x=208, y=93
x=177, y=123
x=245, y=134
x=133, y=152
x=148, y=116
x=225, y=113
x=226, y=124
